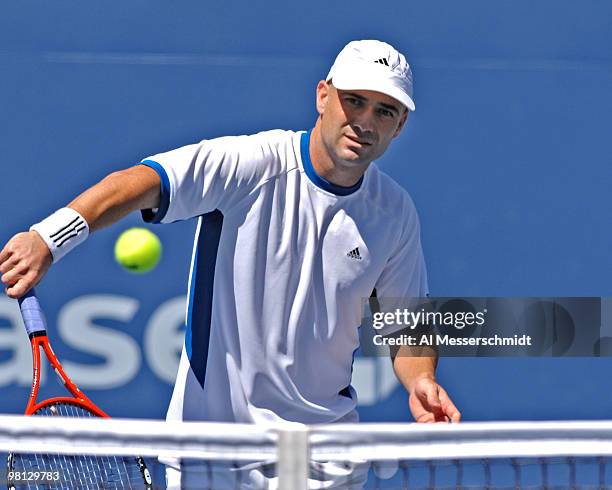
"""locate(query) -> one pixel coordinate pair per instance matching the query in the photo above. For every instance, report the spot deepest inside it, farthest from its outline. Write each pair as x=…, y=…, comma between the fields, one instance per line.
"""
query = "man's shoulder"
x=269, y=137
x=273, y=149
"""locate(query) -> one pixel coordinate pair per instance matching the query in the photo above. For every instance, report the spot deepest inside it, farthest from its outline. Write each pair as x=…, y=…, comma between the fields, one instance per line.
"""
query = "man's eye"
x=354, y=102
x=385, y=113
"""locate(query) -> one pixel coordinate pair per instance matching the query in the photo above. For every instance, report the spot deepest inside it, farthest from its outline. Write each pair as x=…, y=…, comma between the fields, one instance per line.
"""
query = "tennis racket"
x=58, y=470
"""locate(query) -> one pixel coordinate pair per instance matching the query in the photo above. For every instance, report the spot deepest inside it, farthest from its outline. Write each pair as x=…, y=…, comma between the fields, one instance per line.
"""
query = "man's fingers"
x=425, y=418
x=4, y=254
x=14, y=274
x=449, y=407
x=9, y=278
x=17, y=290
x=433, y=400
x=10, y=262
x=431, y=418
x=429, y=403
x=22, y=285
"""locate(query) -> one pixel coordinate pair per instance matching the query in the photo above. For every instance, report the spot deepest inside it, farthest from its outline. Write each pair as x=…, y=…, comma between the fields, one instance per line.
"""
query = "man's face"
x=357, y=125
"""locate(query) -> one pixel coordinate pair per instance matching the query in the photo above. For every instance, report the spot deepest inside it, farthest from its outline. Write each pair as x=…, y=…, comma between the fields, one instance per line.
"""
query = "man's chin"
x=353, y=157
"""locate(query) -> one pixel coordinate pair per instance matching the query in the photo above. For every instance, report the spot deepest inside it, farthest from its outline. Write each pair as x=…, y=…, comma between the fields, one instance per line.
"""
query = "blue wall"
x=508, y=158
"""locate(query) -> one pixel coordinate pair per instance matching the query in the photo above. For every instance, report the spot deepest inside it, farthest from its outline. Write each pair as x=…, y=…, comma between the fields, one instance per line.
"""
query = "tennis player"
x=294, y=230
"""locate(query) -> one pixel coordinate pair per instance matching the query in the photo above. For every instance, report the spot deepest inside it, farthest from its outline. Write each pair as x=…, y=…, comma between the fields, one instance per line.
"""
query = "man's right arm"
x=25, y=258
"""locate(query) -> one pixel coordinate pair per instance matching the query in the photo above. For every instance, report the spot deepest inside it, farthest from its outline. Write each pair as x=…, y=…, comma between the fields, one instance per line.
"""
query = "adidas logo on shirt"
x=354, y=254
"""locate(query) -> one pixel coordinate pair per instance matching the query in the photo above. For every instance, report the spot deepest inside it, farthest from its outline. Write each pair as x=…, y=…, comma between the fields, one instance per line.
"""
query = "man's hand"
x=429, y=402
x=24, y=260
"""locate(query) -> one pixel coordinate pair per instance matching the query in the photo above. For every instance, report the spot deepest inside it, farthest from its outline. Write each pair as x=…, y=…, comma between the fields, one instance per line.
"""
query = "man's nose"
x=364, y=121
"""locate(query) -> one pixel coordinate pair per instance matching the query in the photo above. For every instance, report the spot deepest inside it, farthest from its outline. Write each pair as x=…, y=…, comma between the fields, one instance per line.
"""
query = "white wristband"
x=62, y=231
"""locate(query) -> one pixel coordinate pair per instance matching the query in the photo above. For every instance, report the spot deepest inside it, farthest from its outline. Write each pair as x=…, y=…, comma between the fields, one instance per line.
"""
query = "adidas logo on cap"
x=354, y=254
x=382, y=61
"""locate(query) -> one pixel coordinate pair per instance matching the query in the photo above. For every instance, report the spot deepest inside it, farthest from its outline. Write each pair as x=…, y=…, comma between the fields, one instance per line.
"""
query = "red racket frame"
x=39, y=341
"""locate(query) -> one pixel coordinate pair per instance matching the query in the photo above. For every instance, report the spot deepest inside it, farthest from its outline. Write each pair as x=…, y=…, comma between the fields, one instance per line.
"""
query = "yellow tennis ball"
x=138, y=250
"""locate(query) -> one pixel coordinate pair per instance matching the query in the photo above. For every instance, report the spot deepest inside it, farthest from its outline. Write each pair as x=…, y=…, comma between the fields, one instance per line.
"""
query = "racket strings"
x=78, y=472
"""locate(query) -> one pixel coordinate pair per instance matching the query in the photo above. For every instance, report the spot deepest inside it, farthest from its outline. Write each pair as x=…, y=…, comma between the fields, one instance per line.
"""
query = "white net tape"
x=294, y=447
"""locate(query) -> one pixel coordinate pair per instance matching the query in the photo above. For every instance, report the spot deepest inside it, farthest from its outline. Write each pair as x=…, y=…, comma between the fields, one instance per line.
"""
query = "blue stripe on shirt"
x=149, y=215
x=199, y=310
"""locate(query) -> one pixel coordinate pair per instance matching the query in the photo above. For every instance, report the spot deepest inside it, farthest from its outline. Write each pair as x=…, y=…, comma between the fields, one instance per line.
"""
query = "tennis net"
x=491, y=455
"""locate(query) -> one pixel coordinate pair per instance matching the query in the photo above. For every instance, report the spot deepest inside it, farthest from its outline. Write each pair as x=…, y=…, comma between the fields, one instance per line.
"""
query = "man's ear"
x=401, y=123
x=322, y=96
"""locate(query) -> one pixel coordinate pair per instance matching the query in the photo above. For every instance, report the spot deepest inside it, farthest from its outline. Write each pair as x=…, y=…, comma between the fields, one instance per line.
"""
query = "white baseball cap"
x=373, y=65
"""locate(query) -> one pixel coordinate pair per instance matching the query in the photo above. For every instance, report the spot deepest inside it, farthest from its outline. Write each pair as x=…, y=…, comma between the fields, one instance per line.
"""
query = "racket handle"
x=32, y=314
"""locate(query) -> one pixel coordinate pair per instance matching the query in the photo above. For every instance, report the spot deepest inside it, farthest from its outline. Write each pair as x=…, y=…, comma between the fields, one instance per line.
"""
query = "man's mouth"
x=358, y=141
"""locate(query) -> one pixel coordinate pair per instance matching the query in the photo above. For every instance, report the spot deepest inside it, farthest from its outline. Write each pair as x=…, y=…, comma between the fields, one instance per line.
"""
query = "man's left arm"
x=428, y=401
x=405, y=276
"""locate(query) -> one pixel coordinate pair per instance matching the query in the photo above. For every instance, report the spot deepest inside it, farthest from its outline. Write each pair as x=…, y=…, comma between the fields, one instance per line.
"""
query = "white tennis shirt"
x=282, y=260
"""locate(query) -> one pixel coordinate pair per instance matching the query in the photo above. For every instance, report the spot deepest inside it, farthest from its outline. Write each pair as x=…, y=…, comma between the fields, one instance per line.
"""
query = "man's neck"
x=325, y=166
